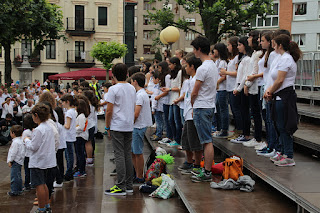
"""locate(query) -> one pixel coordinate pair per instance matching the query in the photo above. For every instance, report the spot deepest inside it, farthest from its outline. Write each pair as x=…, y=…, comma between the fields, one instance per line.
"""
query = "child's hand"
x=176, y=101
x=10, y=164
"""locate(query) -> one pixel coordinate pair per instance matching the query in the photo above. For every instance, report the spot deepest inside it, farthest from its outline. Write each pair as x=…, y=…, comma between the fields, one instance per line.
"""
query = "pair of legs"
x=222, y=111
x=121, y=142
x=80, y=152
x=137, y=150
x=235, y=105
x=175, y=122
x=89, y=145
x=202, y=118
x=166, y=121
x=40, y=179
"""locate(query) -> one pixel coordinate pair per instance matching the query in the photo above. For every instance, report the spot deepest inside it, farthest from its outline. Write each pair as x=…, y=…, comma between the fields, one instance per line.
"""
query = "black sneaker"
x=68, y=178
x=139, y=180
x=113, y=173
x=13, y=194
x=26, y=188
x=48, y=210
x=185, y=166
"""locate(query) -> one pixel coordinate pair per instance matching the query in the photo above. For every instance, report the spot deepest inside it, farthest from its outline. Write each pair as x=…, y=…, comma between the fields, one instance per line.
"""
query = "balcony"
x=80, y=27
x=79, y=59
x=34, y=58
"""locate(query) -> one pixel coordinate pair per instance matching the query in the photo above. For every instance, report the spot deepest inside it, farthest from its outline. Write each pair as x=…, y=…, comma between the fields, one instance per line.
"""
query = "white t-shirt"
x=62, y=133
x=7, y=108
x=266, y=76
x=144, y=119
x=183, y=90
x=104, y=100
x=27, y=108
x=123, y=98
x=242, y=73
x=2, y=99
x=231, y=80
x=221, y=64
x=27, y=133
x=42, y=146
x=187, y=113
x=71, y=132
x=92, y=118
x=82, y=127
x=175, y=83
x=253, y=70
x=167, y=85
x=263, y=69
x=156, y=105
x=17, y=151
x=286, y=64
x=207, y=73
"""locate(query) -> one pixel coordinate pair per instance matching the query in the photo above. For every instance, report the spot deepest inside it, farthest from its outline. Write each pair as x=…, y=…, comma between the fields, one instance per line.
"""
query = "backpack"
x=156, y=169
x=233, y=167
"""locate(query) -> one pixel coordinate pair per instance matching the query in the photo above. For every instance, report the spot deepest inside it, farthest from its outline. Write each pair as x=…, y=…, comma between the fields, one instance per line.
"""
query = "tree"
x=27, y=19
x=106, y=52
x=219, y=17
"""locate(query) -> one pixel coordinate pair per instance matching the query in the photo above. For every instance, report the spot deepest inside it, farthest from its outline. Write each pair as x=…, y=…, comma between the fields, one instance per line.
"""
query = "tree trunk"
x=7, y=63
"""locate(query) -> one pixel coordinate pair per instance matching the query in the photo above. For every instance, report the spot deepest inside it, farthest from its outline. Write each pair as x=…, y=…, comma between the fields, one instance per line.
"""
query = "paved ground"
x=85, y=195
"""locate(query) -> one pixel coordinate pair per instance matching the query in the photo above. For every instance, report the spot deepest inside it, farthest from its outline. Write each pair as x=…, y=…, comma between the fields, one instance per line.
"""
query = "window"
x=135, y=50
x=300, y=39
x=318, y=42
x=191, y=21
x=103, y=16
x=26, y=46
x=136, y=35
x=146, y=5
x=147, y=49
x=272, y=20
x=190, y=36
x=146, y=21
x=51, y=49
x=147, y=34
x=300, y=9
x=80, y=54
x=135, y=20
x=319, y=9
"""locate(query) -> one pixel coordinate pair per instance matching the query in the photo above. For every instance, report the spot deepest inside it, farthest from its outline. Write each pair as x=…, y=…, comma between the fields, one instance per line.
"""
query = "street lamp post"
x=169, y=35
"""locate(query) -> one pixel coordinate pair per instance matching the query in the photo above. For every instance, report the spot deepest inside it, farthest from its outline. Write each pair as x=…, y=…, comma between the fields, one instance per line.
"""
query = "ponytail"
x=72, y=100
x=288, y=45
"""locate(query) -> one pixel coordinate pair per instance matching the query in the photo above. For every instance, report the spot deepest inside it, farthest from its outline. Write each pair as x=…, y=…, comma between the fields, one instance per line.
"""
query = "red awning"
x=99, y=73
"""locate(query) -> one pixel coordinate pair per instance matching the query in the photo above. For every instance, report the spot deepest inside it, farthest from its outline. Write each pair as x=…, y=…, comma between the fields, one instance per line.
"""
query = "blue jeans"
x=158, y=116
x=271, y=131
x=235, y=104
x=182, y=118
x=69, y=158
x=222, y=110
x=202, y=118
x=137, y=140
x=80, y=152
x=256, y=112
x=166, y=121
x=16, y=179
x=285, y=140
x=175, y=122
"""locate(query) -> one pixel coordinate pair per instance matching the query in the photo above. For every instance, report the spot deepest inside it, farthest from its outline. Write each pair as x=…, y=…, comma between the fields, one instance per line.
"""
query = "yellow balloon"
x=162, y=39
x=171, y=34
x=141, y=58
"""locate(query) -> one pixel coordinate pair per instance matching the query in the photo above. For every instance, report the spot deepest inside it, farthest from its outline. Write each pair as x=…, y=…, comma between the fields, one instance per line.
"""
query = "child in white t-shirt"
x=15, y=160
x=143, y=120
x=69, y=102
x=157, y=107
x=121, y=100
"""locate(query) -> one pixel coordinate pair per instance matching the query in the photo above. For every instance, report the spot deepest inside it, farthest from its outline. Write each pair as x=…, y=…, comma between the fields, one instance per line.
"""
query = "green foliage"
x=28, y=19
x=158, y=55
x=219, y=17
x=106, y=52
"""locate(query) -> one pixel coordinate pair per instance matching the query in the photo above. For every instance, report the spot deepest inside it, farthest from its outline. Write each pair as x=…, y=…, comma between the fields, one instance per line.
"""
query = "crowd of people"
x=187, y=97
x=60, y=125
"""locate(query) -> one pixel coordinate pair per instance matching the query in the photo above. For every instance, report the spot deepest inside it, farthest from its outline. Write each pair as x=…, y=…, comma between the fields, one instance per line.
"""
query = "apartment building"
x=305, y=26
x=143, y=36
x=86, y=22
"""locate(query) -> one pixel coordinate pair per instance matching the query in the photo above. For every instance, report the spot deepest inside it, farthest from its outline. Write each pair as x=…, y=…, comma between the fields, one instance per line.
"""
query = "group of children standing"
x=48, y=130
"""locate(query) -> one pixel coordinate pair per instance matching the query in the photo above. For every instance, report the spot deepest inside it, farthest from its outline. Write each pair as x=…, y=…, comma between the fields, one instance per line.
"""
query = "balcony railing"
x=79, y=59
x=33, y=56
x=80, y=26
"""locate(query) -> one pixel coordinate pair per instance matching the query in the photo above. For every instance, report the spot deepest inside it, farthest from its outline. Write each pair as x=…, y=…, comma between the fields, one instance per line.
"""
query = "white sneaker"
x=251, y=143
x=56, y=185
x=269, y=155
x=164, y=141
x=154, y=125
x=260, y=146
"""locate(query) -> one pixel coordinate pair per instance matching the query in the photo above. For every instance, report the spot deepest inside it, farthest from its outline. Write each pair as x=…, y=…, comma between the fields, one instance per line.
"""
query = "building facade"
x=143, y=36
x=86, y=22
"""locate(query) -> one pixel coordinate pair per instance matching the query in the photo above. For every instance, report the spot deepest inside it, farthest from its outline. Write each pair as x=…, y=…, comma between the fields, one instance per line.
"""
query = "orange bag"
x=233, y=167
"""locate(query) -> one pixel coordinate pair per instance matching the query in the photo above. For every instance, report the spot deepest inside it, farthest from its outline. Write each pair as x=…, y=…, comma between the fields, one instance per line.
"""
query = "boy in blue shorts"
x=143, y=119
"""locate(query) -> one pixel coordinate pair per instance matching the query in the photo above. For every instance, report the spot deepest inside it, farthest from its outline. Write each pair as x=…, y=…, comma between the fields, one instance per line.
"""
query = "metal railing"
x=308, y=73
x=33, y=56
x=74, y=56
x=78, y=24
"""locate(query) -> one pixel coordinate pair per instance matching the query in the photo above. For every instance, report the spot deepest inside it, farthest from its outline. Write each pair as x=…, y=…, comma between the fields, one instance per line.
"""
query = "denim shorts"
x=202, y=118
x=38, y=176
x=137, y=140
